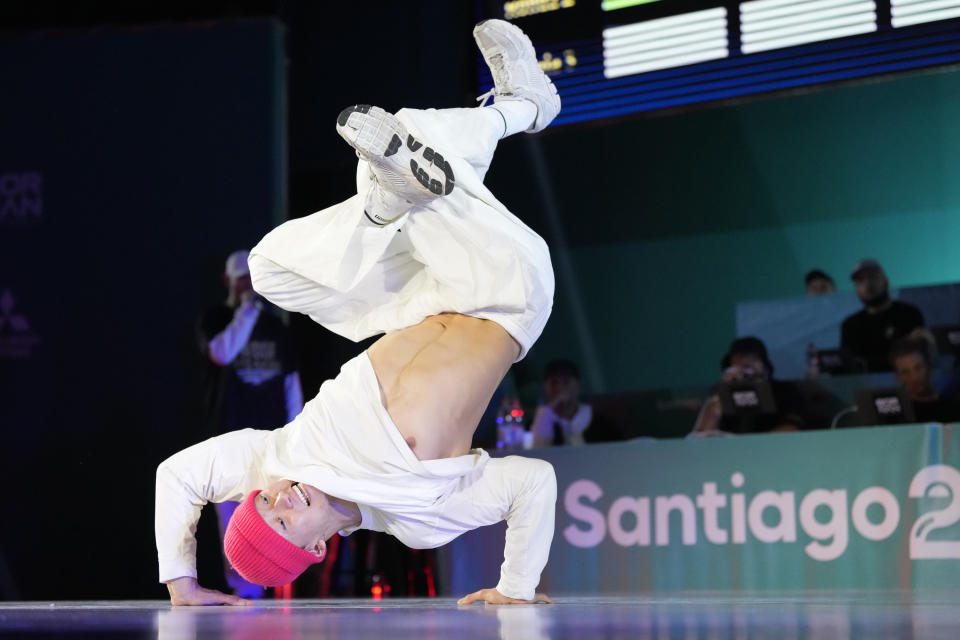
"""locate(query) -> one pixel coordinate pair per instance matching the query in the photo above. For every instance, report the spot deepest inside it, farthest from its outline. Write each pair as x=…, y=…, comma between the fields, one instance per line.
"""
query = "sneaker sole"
x=379, y=138
x=519, y=38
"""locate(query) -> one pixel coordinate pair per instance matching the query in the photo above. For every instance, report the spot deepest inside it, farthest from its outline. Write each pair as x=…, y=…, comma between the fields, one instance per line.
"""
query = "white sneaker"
x=516, y=74
x=404, y=169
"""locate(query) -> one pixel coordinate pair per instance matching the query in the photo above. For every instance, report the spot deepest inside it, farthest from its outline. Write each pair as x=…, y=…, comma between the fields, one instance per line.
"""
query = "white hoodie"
x=345, y=444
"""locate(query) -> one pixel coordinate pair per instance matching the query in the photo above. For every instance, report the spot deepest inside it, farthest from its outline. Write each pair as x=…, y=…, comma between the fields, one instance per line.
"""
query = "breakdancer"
x=461, y=288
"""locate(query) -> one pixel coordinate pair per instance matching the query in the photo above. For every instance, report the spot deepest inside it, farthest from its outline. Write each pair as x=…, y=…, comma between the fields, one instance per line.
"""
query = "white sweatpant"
x=462, y=253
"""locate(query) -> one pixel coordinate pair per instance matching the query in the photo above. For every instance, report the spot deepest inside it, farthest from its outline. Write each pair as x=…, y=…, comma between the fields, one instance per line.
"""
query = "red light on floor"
x=376, y=590
x=516, y=413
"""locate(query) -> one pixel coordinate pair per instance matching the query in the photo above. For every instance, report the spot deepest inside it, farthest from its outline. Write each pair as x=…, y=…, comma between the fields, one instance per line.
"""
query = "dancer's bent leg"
x=472, y=134
x=462, y=252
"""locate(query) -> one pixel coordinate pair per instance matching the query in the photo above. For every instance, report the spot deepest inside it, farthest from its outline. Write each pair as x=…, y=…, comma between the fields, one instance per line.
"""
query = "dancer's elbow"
x=547, y=479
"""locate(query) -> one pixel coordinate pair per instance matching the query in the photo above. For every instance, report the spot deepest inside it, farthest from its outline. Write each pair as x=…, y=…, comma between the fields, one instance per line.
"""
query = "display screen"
x=613, y=58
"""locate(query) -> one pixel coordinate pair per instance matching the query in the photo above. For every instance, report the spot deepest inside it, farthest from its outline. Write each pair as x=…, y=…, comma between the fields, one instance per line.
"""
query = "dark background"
x=168, y=134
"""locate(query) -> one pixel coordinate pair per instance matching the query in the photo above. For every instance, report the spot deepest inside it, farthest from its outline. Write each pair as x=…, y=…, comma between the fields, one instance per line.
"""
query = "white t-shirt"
x=572, y=428
x=345, y=444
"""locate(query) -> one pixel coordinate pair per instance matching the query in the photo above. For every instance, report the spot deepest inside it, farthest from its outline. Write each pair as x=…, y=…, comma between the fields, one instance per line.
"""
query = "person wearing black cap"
x=747, y=359
x=867, y=336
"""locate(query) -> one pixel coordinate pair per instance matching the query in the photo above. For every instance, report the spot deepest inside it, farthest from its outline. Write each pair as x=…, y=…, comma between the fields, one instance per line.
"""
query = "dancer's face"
x=296, y=511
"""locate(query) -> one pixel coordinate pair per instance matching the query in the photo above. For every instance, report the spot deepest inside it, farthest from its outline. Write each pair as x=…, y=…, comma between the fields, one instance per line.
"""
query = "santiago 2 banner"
x=862, y=508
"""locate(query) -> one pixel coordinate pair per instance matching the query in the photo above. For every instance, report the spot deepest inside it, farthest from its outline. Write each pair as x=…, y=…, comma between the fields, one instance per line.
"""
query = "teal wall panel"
x=674, y=219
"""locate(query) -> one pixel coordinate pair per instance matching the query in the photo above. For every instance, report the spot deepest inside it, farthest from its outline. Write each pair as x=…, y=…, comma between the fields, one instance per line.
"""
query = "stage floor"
x=803, y=616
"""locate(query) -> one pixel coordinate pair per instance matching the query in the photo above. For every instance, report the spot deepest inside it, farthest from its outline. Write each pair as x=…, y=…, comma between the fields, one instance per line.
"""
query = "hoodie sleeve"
x=226, y=467
x=522, y=491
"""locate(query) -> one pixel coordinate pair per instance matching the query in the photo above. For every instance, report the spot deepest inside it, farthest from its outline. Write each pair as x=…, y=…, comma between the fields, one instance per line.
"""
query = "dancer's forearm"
x=530, y=522
x=218, y=469
x=522, y=491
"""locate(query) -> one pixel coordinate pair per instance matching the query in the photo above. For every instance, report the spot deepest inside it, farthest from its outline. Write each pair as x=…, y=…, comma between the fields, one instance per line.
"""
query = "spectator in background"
x=252, y=380
x=913, y=365
x=747, y=359
x=819, y=283
x=564, y=418
x=867, y=335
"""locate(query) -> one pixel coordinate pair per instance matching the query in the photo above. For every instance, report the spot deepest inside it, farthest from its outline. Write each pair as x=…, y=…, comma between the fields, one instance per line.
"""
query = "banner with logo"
x=875, y=507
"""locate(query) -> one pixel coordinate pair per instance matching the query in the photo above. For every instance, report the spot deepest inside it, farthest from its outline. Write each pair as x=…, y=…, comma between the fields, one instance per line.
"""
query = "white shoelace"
x=500, y=78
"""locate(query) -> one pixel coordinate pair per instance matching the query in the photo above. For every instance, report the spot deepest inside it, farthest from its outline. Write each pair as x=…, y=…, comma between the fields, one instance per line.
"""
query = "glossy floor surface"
x=819, y=615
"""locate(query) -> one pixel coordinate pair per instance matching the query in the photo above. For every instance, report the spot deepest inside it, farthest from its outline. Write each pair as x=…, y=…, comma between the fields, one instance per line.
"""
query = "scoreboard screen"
x=612, y=58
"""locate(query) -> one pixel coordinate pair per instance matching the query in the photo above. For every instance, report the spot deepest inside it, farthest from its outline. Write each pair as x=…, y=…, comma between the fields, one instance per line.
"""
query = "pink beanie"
x=260, y=554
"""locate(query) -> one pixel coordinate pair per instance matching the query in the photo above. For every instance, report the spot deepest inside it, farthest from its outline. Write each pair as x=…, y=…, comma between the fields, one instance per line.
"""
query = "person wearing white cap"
x=251, y=376
x=867, y=335
x=461, y=288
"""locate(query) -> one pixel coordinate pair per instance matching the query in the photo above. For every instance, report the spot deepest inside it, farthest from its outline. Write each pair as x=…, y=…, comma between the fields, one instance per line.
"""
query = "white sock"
x=381, y=207
x=518, y=115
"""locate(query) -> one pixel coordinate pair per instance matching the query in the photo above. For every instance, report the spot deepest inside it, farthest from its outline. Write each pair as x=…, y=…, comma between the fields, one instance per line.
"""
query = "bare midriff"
x=437, y=377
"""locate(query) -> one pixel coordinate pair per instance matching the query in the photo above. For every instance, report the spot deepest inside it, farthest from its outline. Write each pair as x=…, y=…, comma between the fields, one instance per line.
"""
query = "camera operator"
x=746, y=360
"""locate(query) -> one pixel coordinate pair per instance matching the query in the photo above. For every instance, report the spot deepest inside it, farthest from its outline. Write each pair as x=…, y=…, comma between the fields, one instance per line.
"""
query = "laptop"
x=746, y=398
x=887, y=405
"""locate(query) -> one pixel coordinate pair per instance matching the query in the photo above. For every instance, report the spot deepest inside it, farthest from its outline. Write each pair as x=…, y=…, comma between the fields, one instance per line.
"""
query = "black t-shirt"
x=790, y=409
x=248, y=392
x=943, y=409
x=869, y=336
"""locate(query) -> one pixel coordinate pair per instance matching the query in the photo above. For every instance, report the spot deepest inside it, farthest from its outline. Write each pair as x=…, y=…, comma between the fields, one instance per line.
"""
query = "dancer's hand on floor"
x=492, y=596
x=187, y=591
